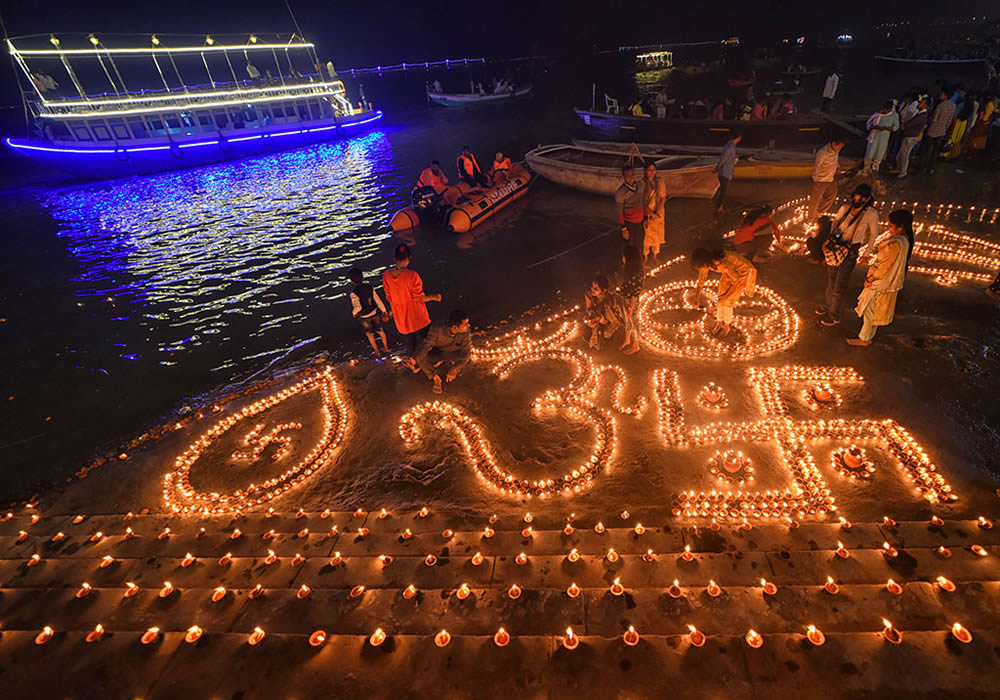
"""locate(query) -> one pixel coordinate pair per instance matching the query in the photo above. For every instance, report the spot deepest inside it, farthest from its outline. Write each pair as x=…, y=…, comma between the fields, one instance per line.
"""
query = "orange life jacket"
x=467, y=165
x=428, y=178
x=503, y=165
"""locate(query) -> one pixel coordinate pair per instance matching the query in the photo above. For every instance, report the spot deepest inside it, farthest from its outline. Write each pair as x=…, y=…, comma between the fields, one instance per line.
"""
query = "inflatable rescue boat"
x=473, y=205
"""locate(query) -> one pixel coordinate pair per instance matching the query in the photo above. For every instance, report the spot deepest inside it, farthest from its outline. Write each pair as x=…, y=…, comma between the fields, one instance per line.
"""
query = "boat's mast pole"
x=69, y=69
x=93, y=40
x=16, y=61
x=156, y=42
x=208, y=40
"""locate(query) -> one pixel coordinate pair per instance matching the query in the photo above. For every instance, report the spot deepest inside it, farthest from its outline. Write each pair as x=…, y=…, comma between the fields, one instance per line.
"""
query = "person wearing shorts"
x=368, y=308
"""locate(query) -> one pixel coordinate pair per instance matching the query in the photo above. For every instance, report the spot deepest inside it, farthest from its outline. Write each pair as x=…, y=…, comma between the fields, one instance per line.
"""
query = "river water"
x=125, y=301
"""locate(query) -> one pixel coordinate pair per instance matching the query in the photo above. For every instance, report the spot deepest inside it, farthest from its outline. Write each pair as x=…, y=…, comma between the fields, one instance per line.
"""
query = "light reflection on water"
x=185, y=253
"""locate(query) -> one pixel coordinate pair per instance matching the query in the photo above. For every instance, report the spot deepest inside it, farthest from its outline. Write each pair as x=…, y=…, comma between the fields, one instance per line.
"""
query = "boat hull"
x=103, y=162
x=756, y=133
x=927, y=63
x=699, y=182
x=469, y=100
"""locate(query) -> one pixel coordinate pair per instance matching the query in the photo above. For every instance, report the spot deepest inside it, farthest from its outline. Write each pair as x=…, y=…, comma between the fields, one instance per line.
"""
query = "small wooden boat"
x=600, y=171
x=466, y=99
x=799, y=72
x=752, y=163
x=897, y=62
x=802, y=130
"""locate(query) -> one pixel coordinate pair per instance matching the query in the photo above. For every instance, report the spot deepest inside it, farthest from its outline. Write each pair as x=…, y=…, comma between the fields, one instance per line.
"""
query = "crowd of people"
x=774, y=105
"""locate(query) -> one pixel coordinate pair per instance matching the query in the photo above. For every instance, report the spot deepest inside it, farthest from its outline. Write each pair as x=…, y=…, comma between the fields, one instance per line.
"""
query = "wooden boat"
x=897, y=62
x=465, y=99
x=599, y=171
x=752, y=163
x=792, y=73
x=802, y=130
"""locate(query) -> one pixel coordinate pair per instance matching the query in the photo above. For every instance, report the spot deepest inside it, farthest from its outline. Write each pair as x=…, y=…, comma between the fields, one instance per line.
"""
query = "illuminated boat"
x=212, y=101
x=468, y=99
x=600, y=171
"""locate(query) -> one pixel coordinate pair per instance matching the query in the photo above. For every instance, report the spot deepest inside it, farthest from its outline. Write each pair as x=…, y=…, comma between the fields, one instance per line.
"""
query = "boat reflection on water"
x=188, y=254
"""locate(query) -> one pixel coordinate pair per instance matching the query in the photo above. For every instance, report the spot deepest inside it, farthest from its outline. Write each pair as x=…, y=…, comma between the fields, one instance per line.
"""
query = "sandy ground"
x=932, y=371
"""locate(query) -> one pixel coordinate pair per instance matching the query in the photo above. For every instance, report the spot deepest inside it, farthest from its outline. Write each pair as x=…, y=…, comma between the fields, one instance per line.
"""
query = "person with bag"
x=877, y=302
x=855, y=227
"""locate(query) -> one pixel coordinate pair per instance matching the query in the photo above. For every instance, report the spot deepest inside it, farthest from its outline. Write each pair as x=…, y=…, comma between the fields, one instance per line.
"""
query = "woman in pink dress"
x=404, y=290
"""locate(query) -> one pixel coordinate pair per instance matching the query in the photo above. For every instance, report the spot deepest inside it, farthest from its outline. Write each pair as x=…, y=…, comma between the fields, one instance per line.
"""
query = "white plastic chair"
x=610, y=104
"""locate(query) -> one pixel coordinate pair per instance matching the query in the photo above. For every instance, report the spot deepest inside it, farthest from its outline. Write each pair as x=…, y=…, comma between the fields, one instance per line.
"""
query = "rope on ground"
x=570, y=250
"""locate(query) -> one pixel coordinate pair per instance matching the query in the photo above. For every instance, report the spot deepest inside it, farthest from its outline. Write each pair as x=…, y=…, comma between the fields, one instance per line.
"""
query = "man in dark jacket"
x=447, y=349
x=912, y=129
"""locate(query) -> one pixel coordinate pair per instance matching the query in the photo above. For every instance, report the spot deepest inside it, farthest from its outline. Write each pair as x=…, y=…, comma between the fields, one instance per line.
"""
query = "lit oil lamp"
x=845, y=524
x=363, y=532
x=21, y=536
x=226, y=559
x=270, y=513
x=334, y=531
x=713, y=589
x=477, y=559
x=528, y=517
x=106, y=561
x=188, y=560
x=150, y=635
x=385, y=559
x=625, y=515
x=201, y=533
x=570, y=641
x=979, y=550
x=84, y=590
x=815, y=635
x=407, y=534
x=424, y=512
x=235, y=534
x=271, y=557
x=639, y=529
x=943, y=552
x=129, y=534
x=648, y=556
x=714, y=525
x=325, y=514
x=193, y=634
x=359, y=513
x=686, y=555
x=256, y=592
x=78, y=519
x=630, y=637
x=430, y=560
x=357, y=591
x=842, y=550
x=616, y=587
x=130, y=590
x=521, y=559
x=945, y=584
x=34, y=559
x=573, y=591
x=488, y=532
x=58, y=537
x=442, y=638
x=754, y=639
x=768, y=587
x=936, y=521
x=514, y=592
x=166, y=590
x=164, y=534
x=569, y=529
x=218, y=594
x=297, y=559
x=256, y=637
x=831, y=586
x=889, y=550
x=612, y=556
x=447, y=534
x=501, y=638
x=35, y=518
x=493, y=519
x=961, y=633
x=95, y=634
x=409, y=592
x=574, y=555
x=746, y=525
x=527, y=532
x=44, y=636
x=97, y=536
x=599, y=528
x=303, y=592
x=463, y=592
x=383, y=514
x=303, y=533
x=675, y=590
x=317, y=638
x=984, y=523
x=891, y=634
x=893, y=587
x=268, y=535
x=696, y=636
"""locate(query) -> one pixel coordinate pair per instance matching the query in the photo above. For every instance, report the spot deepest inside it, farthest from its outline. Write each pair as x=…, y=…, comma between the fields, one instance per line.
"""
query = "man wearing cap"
x=446, y=350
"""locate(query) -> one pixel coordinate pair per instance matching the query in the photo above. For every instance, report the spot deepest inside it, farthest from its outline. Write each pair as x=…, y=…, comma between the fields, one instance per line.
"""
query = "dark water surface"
x=126, y=300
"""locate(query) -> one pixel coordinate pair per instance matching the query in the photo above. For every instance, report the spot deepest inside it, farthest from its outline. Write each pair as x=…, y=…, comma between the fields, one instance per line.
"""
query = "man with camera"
x=855, y=227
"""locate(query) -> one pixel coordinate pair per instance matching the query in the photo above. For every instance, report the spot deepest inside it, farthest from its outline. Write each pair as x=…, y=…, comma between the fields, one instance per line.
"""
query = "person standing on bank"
x=830, y=90
x=446, y=350
x=877, y=302
x=881, y=126
x=654, y=226
x=824, y=189
x=855, y=226
x=725, y=168
x=629, y=199
x=940, y=122
x=913, y=127
x=404, y=290
x=632, y=274
x=367, y=307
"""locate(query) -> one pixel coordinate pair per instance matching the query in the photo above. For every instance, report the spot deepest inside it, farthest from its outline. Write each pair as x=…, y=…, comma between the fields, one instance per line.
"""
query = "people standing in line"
x=501, y=168
x=725, y=168
x=469, y=170
x=824, y=189
x=605, y=312
x=632, y=275
x=881, y=125
x=964, y=118
x=446, y=349
x=367, y=307
x=739, y=277
x=654, y=225
x=404, y=290
x=753, y=239
x=630, y=203
x=855, y=227
x=877, y=302
x=830, y=89
x=913, y=128
x=940, y=122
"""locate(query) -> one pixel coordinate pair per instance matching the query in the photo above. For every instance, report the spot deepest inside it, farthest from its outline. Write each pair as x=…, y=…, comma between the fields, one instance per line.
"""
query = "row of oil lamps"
x=502, y=637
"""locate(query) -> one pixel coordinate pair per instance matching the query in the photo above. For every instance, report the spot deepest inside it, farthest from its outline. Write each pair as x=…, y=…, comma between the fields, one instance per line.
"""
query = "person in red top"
x=755, y=236
x=404, y=290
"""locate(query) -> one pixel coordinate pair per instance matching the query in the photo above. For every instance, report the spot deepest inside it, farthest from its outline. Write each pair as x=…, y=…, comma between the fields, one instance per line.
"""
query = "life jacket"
x=468, y=166
x=501, y=165
x=428, y=178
